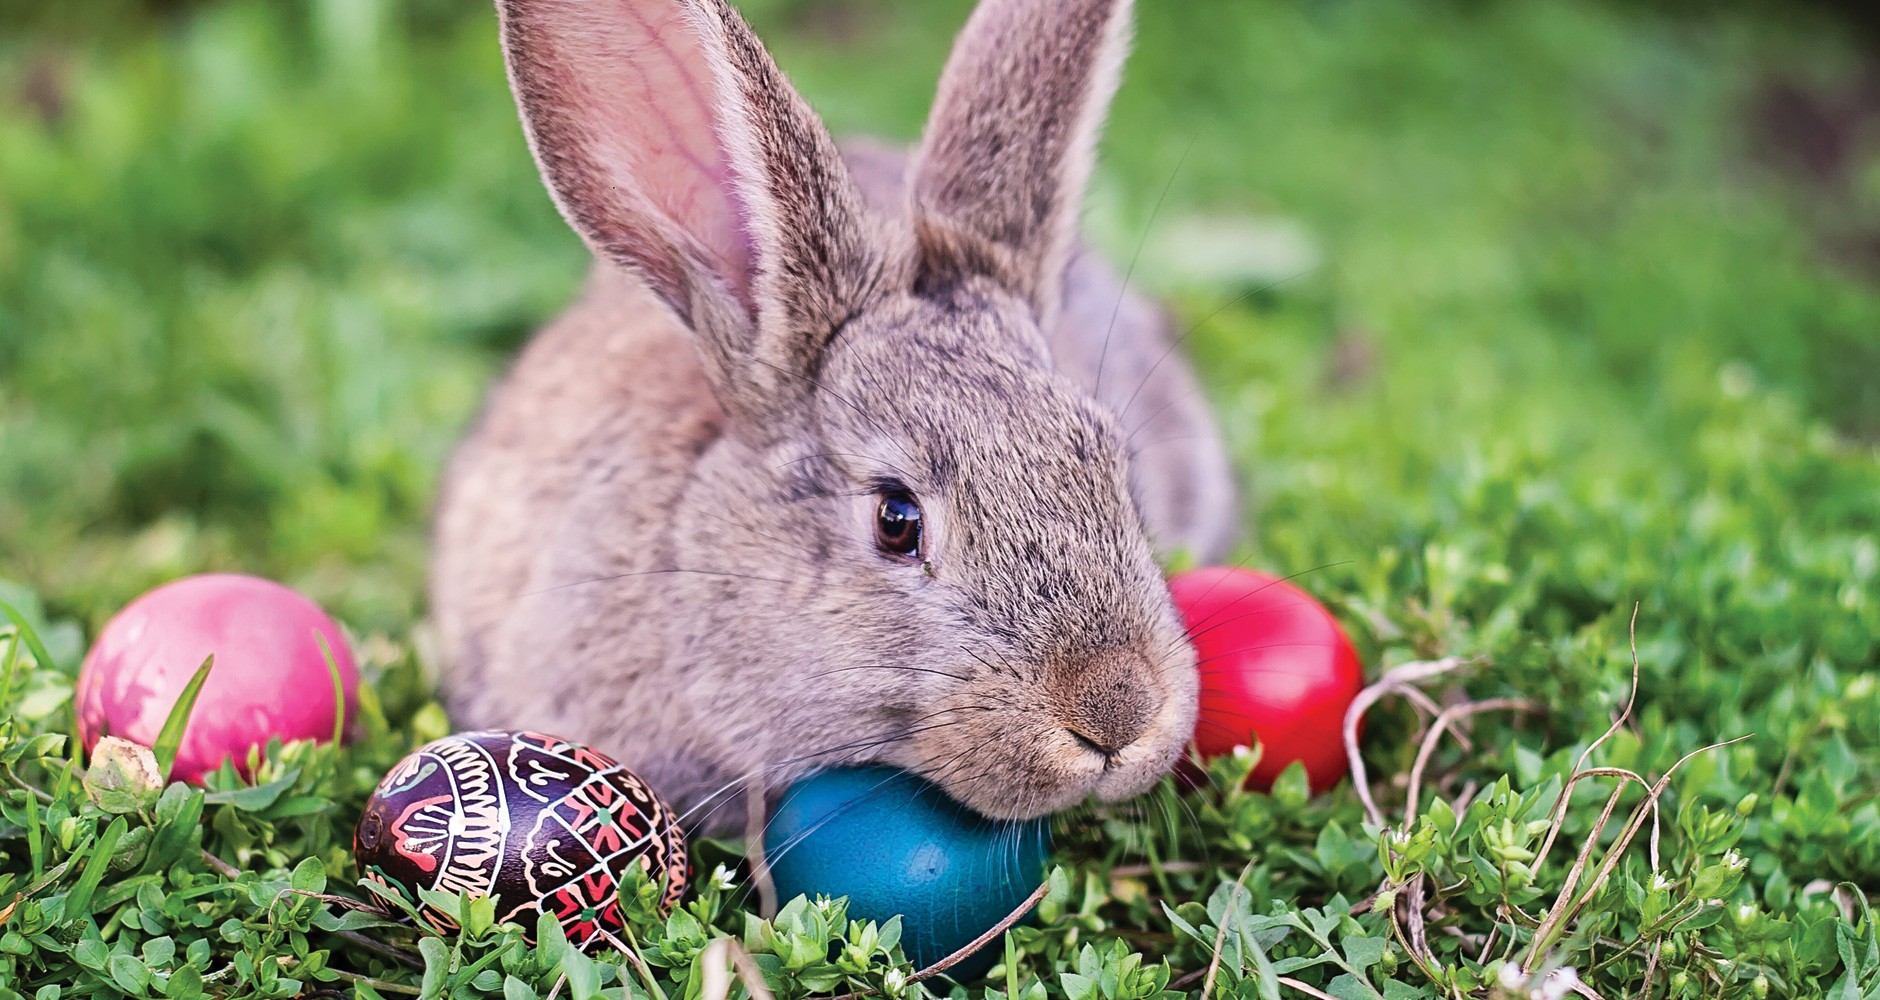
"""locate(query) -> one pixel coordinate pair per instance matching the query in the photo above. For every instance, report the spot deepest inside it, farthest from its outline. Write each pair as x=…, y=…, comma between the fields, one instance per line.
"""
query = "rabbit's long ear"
x=1002, y=167
x=676, y=148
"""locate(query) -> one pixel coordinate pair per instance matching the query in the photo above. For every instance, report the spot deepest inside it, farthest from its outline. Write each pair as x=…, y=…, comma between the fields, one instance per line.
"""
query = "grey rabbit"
x=841, y=456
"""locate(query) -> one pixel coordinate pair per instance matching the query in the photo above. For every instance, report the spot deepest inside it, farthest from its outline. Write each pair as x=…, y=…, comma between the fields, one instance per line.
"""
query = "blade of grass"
x=35, y=847
x=31, y=638
x=8, y=672
x=78, y=901
x=170, y=737
x=339, y=687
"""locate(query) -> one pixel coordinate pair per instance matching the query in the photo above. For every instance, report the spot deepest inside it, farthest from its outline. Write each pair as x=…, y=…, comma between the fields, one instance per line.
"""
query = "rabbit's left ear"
x=676, y=148
x=1001, y=172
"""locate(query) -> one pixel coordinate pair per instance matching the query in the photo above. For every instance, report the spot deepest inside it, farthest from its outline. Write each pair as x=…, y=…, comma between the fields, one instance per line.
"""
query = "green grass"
x=1509, y=330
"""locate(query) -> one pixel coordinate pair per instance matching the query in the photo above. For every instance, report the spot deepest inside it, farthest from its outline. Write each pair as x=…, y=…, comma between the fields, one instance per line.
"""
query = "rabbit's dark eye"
x=897, y=524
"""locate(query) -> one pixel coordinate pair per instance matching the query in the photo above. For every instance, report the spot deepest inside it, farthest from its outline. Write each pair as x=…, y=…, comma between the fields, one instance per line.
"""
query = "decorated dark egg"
x=538, y=823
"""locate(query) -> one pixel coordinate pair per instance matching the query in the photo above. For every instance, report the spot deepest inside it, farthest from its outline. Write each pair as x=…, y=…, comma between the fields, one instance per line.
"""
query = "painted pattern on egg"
x=539, y=823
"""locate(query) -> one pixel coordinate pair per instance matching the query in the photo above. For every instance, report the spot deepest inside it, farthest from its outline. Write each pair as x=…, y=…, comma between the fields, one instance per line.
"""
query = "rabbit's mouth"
x=1010, y=760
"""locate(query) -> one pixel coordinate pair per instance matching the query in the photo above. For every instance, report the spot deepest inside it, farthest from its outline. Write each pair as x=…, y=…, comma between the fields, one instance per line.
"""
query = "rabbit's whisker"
x=1010, y=669
x=800, y=837
x=826, y=455
x=828, y=495
x=855, y=747
x=651, y=572
x=1196, y=326
x=889, y=666
x=846, y=401
x=1211, y=622
x=1116, y=310
x=760, y=528
x=1136, y=448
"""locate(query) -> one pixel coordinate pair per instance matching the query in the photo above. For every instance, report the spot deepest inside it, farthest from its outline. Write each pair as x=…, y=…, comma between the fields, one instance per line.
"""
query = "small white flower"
x=895, y=980
x=1552, y=986
x=1559, y=983
x=1735, y=861
x=722, y=880
x=1660, y=883
x=1745, y=912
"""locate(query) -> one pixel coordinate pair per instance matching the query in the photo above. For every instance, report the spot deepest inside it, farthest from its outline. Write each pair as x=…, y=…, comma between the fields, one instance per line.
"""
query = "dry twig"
x=1294, y=984
x=1443, y=721
x=1166, y=868
x=963, y=953
x=723, y=955
x=1220, y=933
x=1651, y=971
x=1579, y=763
x=1396, y=680
x=984, y=939
x=1580, y=987
x=632, y=953
x=1565, y=907
x=754, y=821
x=1214, y=961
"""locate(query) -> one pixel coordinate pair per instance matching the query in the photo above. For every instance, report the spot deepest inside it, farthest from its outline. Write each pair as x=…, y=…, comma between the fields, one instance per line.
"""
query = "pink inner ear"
x=644, y=73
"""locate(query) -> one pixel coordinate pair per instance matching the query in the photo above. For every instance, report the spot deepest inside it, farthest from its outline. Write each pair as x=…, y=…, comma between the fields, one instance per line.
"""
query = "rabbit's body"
x=627, y=559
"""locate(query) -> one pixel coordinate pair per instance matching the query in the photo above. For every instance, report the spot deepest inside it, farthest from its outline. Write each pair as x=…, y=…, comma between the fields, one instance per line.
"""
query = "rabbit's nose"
x=1107, y=718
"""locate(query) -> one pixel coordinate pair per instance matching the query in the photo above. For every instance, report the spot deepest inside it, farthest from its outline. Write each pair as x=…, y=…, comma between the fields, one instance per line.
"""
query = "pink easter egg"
x=270, y=678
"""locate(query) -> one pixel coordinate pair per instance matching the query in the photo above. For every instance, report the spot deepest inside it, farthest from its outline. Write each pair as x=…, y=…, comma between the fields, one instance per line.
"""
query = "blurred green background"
x=259, y=258
x=1518, y=315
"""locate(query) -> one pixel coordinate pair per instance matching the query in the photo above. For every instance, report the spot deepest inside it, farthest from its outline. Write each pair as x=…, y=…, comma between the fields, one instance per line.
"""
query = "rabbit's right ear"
x=1002, y=167
x=675, y=147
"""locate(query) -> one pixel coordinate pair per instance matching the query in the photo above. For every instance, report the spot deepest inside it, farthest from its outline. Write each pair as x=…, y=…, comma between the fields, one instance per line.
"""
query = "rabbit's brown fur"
x=660, y=536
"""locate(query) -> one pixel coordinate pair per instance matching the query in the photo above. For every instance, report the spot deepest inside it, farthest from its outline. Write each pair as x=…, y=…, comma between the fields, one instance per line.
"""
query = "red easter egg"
x=270, y=678
x=1276, y=668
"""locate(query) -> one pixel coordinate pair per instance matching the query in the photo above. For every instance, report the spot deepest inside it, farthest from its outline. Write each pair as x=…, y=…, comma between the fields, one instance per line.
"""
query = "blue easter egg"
x=896, y=844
